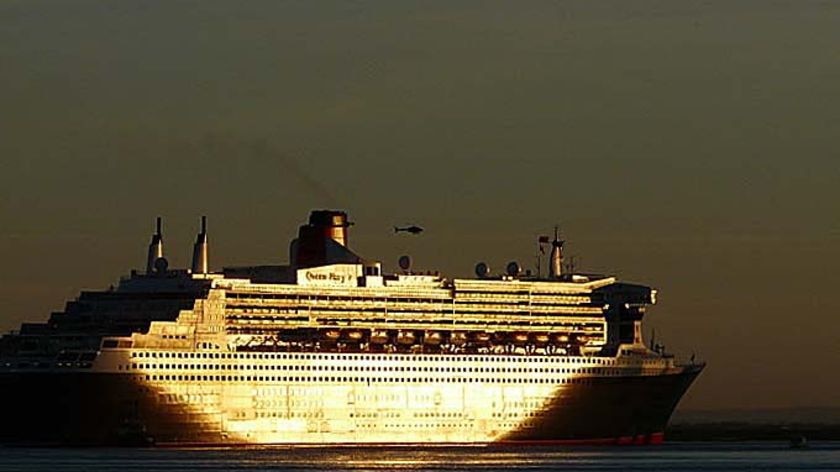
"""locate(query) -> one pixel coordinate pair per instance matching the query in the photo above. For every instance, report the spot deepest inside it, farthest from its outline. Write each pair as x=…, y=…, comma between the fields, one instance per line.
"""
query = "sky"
x=688, y=145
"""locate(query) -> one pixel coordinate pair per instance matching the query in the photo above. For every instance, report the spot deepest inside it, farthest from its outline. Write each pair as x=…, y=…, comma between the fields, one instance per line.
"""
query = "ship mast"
x=155, y=248
x=200, y=262
x=555, y=266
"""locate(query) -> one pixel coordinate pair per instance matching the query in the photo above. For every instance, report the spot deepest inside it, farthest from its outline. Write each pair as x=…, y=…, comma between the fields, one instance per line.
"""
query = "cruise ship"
x=330, y=350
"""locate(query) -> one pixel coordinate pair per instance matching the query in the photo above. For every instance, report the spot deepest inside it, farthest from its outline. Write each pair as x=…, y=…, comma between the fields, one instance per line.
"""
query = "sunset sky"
x=690, y=145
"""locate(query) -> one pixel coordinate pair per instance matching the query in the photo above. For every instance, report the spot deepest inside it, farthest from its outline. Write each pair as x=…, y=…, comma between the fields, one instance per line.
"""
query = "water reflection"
x=671, y=457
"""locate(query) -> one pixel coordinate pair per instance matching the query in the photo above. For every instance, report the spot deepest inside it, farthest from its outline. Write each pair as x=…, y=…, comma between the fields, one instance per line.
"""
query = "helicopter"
x=413, y=229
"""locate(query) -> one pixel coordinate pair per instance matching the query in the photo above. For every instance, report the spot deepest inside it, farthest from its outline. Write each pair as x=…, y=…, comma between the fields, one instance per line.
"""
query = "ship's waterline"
x=120, y=408
x=329, y=350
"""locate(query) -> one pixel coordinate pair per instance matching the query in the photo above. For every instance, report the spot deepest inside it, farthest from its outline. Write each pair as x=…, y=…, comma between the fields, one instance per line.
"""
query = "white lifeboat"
x=353, y=335
x=432, y=338
x=458, y=338
x=406, y=338
x=379, y=337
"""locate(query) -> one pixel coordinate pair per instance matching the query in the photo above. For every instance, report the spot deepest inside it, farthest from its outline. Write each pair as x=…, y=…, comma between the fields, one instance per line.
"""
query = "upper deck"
x=330, y=298
x=413, y=302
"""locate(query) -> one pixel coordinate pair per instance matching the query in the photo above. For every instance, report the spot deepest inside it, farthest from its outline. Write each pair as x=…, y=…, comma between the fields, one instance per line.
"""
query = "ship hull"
x=88, y=408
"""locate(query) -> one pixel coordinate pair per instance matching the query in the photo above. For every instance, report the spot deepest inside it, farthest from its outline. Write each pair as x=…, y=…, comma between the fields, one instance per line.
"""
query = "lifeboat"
x=379, y=337
x=458, y=339
x=330, y=334
x=582, y=339
x=432, y=338
x=353, y=335
x=561, y=338
x=541, y=338
x=481, y=337
x=520, y=338
x=406, y=338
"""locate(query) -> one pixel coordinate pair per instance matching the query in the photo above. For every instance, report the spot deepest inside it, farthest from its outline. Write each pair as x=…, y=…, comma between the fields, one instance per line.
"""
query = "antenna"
x=540, y=252
x=572, y=265
x=158, y=226
x=204, y=225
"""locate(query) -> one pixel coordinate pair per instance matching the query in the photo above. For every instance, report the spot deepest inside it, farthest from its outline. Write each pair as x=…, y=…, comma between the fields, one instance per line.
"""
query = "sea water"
x=668, y=457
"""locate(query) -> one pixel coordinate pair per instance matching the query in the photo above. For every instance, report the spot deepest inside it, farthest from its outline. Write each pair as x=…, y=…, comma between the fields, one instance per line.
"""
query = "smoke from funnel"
x=284, y=168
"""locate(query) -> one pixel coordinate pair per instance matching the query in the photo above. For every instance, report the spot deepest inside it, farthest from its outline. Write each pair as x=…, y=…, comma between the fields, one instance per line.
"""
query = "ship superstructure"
x=330, y=350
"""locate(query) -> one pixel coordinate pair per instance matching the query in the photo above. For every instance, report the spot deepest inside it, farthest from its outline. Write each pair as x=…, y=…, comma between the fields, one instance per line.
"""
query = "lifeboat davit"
x=379, y=337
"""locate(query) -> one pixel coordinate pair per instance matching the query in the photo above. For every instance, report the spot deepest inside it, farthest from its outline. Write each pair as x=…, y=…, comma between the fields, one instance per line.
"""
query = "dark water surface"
x=669, y=457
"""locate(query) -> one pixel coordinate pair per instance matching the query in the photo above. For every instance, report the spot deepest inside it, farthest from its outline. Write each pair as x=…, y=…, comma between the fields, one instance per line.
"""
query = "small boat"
x=432, y=338
x=406, y=338
x=330, y=335
x=481, y=337
x=541, y=338
x=379, y=337
x=352, y=335
x=520, y=338
x=458, y=339
x=561, y=338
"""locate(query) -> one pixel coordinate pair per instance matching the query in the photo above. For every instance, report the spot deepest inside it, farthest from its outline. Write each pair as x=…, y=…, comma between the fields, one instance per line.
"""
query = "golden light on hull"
x=377, y=407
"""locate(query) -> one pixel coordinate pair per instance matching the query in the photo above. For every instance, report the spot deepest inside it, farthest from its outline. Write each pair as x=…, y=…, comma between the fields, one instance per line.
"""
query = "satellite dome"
x=405, y=262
